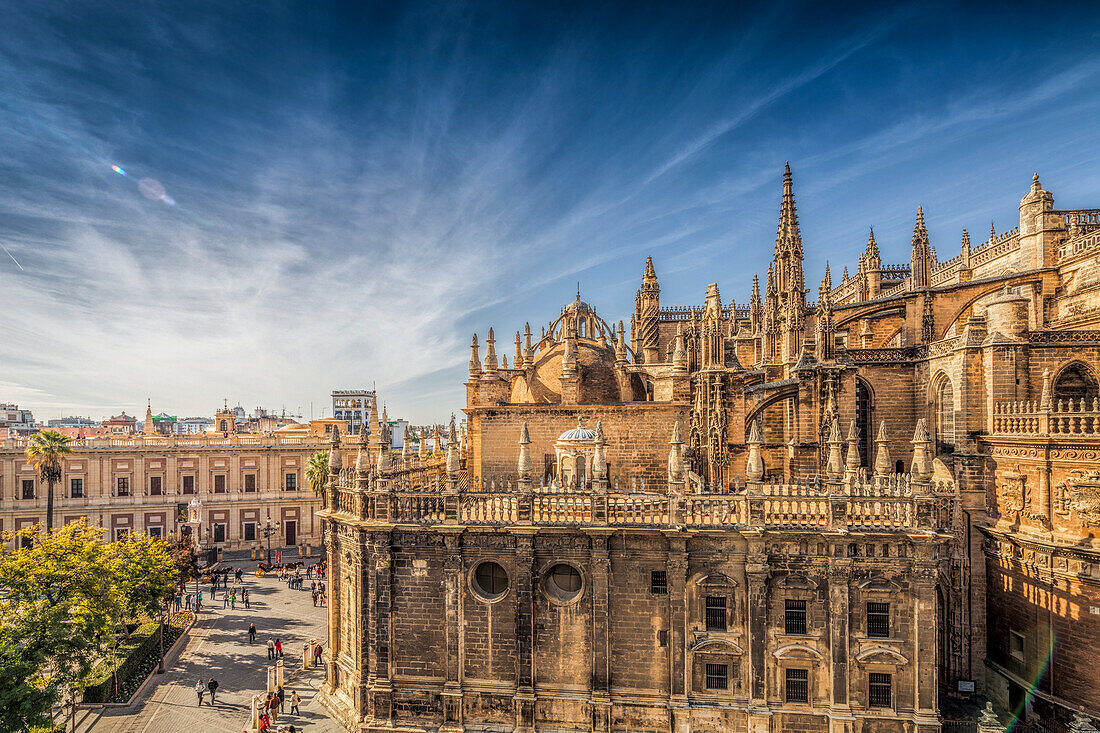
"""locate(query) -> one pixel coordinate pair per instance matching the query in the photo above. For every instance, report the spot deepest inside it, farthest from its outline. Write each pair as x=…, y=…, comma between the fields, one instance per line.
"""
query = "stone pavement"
x=218, y=647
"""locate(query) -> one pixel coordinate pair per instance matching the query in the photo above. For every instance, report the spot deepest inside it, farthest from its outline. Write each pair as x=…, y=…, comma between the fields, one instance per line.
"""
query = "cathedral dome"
x=595, y=365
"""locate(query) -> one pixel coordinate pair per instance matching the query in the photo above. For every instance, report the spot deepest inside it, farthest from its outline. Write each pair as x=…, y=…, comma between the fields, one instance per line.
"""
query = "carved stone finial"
x=883, y=465
x=835, y=465
x=754, y=463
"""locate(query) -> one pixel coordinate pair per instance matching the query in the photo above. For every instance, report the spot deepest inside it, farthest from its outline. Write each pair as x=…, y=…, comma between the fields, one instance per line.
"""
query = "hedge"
x=137, y=656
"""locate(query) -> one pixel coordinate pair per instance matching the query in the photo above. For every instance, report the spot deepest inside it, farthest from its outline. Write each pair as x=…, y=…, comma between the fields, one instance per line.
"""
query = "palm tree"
x=45, y=452
x=317, y=473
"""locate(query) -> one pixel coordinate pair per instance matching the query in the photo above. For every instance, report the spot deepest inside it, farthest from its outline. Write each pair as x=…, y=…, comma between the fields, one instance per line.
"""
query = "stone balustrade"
x=1063, y=417
x=137, y=441
x=858, y=502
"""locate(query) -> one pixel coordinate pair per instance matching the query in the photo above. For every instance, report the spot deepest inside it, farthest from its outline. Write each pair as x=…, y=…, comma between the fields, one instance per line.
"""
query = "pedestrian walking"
x=200, y=690
x=233, y=600
x=278, y=649
x=213, y=687
x=191, y=601
x=265, y=721
x=295, y=701
x=317, y=651
x=282, y=698
x=247, y=598
x=225, y=600
x=198, y=600
x=273, y=707
x=270, y=648
x=315, y=599
x=251, y=633
x=179, y=602
x=313, y=586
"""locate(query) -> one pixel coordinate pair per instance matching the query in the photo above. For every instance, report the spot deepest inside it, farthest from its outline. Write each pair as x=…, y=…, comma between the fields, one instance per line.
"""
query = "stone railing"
x=856, y=502
x=685, y=312
x=1071, y=248
x=1064, y=417
x=1089, y=218
x=138, y=442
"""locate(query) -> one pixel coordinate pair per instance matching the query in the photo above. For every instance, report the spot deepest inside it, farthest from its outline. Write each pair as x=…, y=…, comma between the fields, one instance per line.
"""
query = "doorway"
x=291, y=531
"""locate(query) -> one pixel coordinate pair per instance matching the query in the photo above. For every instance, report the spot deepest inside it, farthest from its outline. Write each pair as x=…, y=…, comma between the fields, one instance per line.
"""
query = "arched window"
x=944, y=416
x=223, y=426
x=1076, y=382
x=863, y=422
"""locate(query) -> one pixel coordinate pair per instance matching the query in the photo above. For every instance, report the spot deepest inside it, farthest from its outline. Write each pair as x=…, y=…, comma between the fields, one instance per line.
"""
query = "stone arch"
x=941, y=399
x=865, y=405
x=1075, y=381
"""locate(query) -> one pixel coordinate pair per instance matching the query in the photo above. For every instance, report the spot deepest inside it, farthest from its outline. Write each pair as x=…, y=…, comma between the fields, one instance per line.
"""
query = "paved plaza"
x=218, y=647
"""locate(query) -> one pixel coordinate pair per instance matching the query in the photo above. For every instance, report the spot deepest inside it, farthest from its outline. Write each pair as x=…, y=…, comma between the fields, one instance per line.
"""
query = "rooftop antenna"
x=578, y=290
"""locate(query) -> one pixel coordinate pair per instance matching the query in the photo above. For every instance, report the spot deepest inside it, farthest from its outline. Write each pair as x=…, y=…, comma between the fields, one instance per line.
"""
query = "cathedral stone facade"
x=780, y=516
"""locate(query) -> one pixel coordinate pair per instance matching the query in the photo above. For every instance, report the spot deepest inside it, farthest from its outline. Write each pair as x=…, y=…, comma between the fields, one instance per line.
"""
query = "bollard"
x=253, y=553
x=306, y=652
x=271, y=679
x=309, y=550
x=219, y=554
x=279, y=673
x=255, y=712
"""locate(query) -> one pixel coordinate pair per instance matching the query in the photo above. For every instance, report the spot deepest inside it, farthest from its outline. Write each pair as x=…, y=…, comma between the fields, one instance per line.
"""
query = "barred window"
x=878, y=619
x=123, y=485
x=716, y=614
x=717, y=676
x=76, y=487
x=794, y=620
x=879, y=689
x=798, y=685
x=658, y=582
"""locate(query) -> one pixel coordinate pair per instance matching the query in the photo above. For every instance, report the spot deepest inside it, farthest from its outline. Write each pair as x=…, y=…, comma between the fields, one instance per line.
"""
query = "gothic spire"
x=490, y=353
x=920, y=262
x=650, y=274
x=475, y=360
x=788, y=233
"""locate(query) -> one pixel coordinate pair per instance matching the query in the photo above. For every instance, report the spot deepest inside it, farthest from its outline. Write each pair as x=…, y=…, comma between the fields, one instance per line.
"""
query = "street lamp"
x=268, y=530
x=160, y=620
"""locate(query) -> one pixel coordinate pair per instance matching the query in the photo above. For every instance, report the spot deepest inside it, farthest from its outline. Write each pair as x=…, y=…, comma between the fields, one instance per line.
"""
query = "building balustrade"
x=1062, y=417
x=856, y=502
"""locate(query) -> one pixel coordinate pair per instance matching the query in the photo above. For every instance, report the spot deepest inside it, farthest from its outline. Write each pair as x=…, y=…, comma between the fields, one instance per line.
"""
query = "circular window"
x=490, y=580
x=564, y=582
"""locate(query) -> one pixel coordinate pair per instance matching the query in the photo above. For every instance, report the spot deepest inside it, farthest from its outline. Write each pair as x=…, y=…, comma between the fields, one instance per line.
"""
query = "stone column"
x=381, y=630
x=334, y=619
x=676, y=575
x=601, y=672
x=452, y=626
x=925, y=628
x=524, y=700
x=756, y=576
x=841, y=719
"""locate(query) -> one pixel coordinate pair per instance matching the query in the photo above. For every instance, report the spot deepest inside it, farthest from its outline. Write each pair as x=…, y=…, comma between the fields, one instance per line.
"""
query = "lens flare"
x=118, y=170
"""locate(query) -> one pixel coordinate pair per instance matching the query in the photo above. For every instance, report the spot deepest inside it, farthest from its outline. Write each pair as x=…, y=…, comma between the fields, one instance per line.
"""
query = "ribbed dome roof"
x=579, y=434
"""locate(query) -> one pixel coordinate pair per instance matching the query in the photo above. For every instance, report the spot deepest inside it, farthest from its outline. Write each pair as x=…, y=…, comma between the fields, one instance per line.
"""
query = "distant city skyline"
x=271, y=201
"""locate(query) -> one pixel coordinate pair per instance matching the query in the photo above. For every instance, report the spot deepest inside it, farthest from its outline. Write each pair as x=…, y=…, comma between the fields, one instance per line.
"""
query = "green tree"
x=58, y=605
x=317, y=473
x=183, y=557
x=63, y=597
x=46, y=452
x=143, y=573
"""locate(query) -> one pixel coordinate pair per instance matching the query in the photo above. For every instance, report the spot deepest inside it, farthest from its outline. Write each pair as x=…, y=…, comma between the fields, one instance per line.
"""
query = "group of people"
x=201, y=688
x=273, y=707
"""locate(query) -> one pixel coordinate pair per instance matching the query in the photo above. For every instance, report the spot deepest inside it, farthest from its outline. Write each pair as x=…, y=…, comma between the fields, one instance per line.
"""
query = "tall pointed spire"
x=650, y=275
x=149, y=428
x=518, y=362
x=788, y=245
x=921, y=260
x=883, y=465
x=523, y=464
x=645, y=329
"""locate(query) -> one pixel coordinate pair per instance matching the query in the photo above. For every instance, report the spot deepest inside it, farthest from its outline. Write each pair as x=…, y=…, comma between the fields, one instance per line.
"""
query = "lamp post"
x=160, y=620
x=268, y=530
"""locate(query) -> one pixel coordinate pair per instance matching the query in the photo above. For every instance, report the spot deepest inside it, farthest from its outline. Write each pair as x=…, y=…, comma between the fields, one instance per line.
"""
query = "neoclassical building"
x=836, y=516
x=242, y=483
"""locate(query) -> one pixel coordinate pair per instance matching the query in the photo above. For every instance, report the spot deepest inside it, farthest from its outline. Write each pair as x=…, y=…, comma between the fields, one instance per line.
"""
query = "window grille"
x=878, y=619
x=794, y=621
x=716, y=613
x=717, y=677
x=798, y=685
x=879, y=689
x=658, y=582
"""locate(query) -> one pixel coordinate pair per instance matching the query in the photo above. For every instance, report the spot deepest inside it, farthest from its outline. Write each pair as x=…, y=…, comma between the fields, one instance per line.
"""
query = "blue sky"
x=350, y=190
